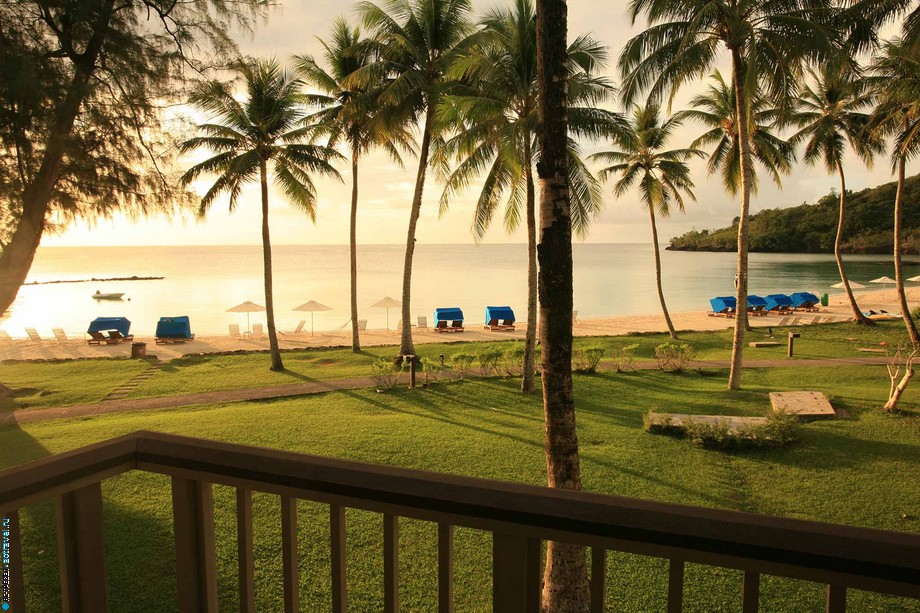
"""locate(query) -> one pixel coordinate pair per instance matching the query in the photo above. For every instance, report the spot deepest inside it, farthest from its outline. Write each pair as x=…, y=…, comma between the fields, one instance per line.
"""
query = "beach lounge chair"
x=34, y=335
x=4, y=337
x=575, y=318
x=59, y=334
x=235, y=331
x=780, y=304
x=804, y=301
x=422, y=323
x=97, y=338
x=723, y=306
x=756, y=306
x=362, y=325
x=449, y=314
x=118, y=328
x=257, y=330
x=499, y=318
x=173, y=330
x=299, y=327
x=116, y=337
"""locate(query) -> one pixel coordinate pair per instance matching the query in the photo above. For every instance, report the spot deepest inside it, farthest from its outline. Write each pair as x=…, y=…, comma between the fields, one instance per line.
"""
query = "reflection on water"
x=202, y=282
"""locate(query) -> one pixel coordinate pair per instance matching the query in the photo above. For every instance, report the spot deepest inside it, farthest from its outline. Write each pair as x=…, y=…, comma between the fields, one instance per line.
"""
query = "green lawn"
x=856, y=471
x=63, y=383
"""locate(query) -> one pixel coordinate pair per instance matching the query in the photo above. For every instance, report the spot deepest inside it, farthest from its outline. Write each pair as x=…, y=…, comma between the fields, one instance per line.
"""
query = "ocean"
x=203, y=282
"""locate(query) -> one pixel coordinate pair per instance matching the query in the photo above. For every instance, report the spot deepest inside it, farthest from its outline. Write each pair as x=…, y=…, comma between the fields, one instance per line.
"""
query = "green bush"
x=512, y=361
x=781, y=430
x=673, y=357
x=385, y=374
x=461, y=364
x=586, y=359
x=915, y=313
x=489, y=359
x=625, y=358
x=433, y=369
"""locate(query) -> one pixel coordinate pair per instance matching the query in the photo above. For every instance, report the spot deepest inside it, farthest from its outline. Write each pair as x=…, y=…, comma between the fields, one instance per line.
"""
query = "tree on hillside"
x=768, y=44
x=350, y=115
x=661, y=176
x=896, y=80
x=417, y=42
x=83, y=86
x=266, y=128
x=495, y=118
x=829, y=114
x=565, y=580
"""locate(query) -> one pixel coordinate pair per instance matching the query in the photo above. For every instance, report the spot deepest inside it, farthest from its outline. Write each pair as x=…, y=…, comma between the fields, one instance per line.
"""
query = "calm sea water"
x=203, y=282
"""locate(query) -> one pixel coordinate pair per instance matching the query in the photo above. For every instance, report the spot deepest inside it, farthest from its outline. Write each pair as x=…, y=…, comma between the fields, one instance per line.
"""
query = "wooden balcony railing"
x=520, y=518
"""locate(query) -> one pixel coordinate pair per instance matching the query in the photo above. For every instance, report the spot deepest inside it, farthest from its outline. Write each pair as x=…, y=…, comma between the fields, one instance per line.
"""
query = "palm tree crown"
x=715, y=110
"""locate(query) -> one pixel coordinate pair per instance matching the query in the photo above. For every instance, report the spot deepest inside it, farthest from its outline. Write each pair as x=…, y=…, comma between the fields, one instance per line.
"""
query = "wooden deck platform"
x=804, y=405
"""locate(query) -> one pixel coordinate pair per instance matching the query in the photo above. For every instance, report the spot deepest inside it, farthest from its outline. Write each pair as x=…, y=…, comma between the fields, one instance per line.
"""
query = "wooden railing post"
x=515, y=574
x=12, y=530
x=750, y=596
x=675, y=586
x=836, y=599
x=598, y=579
x=445, y=568
x=339, y=568
x=81, y=551
x=290, y=569
x=196, y=572
x=244, y=554
x=390, y=563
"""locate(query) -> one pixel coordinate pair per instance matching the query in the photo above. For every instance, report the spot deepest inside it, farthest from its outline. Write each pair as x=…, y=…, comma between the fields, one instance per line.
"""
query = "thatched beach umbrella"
x=883, y=280
x=387, y=303
x=853, y=285
x=247, y=307
x=312, y=307
x=915, y=279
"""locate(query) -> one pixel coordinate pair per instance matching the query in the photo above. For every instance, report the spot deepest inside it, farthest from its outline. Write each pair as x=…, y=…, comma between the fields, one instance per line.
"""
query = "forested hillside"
x=811, y=228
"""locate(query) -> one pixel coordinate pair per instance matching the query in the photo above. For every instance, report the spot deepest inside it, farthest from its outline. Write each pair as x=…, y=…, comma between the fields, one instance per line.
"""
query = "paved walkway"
x=24, y=416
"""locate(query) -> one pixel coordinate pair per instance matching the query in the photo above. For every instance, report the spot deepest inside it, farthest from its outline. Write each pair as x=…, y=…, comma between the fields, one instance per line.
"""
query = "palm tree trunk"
x=353, y=252
x=530, y=337
x=898, y=273
x=747, y=174
x=664, y=306
x=18, y=254
x=857, y=313
x=565, y=579
x=277, y=365
x=406, y=346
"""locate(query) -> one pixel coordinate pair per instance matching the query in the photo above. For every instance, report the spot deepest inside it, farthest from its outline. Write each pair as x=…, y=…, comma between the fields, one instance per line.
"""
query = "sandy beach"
x=76, y=347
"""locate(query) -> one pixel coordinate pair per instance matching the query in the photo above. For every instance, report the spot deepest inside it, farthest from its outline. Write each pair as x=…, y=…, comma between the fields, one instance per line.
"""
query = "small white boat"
x=110, y=296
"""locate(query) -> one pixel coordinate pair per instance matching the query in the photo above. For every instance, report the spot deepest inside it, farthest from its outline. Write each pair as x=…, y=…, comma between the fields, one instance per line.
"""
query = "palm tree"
x=829, y=115
x=870, y=15
x=496, y=122
x=348, y=115
x=417, y=41
x=896, y=79
x=767, y=43
x=662, y=177
x=265, y=128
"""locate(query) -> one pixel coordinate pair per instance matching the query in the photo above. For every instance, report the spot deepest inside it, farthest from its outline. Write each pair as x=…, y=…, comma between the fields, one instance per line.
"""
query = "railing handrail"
x=864, y=558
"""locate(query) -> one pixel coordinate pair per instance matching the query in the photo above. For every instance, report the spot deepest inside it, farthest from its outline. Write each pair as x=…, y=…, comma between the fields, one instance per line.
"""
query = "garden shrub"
x=385, y=374
x=586, y=359
x=489, y=360
x=512, y=361
x=673, y=357
x=433, y=369
x=625, y=358
x=461, y=364
x=781, y=430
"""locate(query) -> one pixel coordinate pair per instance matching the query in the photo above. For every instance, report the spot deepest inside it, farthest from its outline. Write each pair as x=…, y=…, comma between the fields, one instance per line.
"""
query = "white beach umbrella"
x=387, y=303
x=853, y=285
x=883, y=280
x=915, y=279
x=312, y=307
x=247, y=307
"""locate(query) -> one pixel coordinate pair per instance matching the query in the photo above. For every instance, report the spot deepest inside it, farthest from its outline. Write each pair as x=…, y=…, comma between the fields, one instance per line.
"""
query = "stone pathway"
x=122, y=391
x=124, y=405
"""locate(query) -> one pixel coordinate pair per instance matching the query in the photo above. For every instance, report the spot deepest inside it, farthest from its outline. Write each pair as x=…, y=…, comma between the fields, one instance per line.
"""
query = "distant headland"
x=94, y=280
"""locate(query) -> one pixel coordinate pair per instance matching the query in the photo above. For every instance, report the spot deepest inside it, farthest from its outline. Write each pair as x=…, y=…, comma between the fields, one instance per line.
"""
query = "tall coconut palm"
x=896, y=79
x=661, y=176
x=767, y=43
x=265, y=129
x=350, y=116
x=870, y=15
x=565, y=579
x=418, y=42
x=496, y=121
x=829, y=114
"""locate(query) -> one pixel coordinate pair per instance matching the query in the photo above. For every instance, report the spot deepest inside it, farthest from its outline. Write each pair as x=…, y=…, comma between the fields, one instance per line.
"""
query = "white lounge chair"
x=298, y=329
x=422, y=323
x=257, y=330
x=59, y=334
x=575, y=318
x=34, y=335
x=4, y=337
x=362, y=325
x=235, y=331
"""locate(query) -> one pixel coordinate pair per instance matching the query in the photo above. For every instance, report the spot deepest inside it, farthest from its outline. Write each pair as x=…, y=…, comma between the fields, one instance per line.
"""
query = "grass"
x=847, y=471
x=63, y=383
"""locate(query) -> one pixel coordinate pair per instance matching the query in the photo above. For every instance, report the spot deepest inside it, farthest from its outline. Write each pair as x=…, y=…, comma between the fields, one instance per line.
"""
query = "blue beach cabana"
x=174, y=330
x=756, y=305
x=499, y=318
x=448, y=319
x=723, y=306
x=118, y=329
x=778, y=303
x=805, y=301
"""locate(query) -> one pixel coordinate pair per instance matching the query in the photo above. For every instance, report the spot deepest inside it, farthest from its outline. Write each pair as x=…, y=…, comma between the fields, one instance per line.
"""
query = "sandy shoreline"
x=21, y=349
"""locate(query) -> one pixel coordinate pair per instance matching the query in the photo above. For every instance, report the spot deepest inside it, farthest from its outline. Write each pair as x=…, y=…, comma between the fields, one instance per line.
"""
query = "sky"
x=386, y=189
